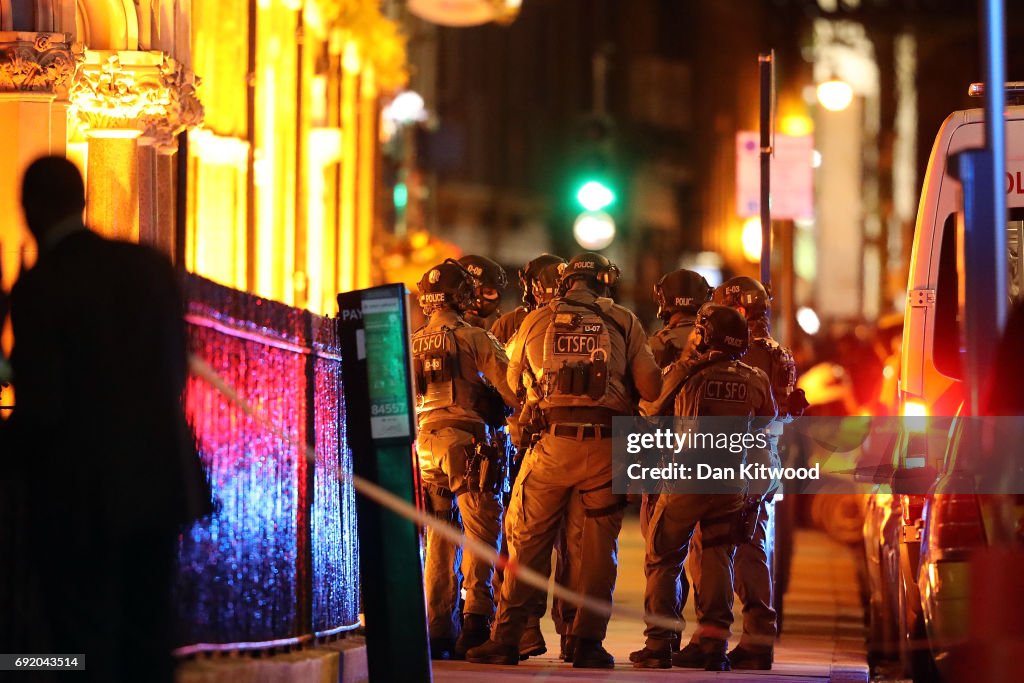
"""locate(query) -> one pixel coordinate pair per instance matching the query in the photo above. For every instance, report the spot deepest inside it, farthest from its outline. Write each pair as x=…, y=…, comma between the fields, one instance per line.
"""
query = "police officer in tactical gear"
x=491, y=281
x=461, y=476
x=721, y=336
x=679, y=296
x=580, y=358
x=539, y=282
x=753, y=577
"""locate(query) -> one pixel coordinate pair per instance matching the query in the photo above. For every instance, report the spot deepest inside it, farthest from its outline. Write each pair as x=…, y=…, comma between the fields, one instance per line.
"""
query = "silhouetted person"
x=99, y=365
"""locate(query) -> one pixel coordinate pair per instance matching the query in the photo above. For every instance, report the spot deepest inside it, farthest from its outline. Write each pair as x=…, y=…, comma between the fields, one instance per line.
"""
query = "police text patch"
x=428, y=343
x=725, y=390
x=575, y=343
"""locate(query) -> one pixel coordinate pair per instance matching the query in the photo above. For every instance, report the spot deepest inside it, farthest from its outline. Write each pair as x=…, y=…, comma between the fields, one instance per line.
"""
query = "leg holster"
x=440, y=503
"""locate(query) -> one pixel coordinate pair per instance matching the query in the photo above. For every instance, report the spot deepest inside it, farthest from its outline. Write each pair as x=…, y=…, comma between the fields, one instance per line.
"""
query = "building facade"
x=239, y=136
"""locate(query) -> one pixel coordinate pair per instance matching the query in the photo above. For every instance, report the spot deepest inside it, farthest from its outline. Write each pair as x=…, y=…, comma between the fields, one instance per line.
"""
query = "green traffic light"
x=594, y=195
x=401, y=195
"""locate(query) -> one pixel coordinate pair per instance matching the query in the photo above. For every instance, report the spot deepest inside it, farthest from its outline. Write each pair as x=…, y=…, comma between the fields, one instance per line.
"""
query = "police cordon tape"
x=451, y=533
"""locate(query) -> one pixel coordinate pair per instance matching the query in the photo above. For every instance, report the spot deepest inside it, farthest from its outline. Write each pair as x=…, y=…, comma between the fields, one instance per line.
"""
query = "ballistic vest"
x=577, y=345
x=440, y=382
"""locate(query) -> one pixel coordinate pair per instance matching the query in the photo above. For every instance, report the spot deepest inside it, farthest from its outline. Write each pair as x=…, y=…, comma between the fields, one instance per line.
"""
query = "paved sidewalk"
x=823, y=638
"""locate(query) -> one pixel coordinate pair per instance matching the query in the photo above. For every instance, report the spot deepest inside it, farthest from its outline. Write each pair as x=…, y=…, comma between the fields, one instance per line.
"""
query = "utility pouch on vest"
x=598, y=381
x=437, y=387
x=564, y=380
x=579, y=379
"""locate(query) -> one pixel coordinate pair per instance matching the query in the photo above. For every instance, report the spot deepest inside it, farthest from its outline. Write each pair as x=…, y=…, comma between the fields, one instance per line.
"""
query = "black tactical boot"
x=568, y=647
x=715, y=658
x=751, y=660
x=441, y=648
x=588, y=654
x=493, y=653
x=652, y=659
x=475, y=631
x=690, y=657
x=531, y=643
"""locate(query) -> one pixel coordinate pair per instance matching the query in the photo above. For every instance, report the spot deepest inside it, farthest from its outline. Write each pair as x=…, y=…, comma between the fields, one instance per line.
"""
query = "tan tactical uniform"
x=675, y=351
x=447, y=437
x=483, y=323
x=573, y=457
x=753, y=573
x=673, y=341
x=676, y=515
x=566, y=545
x=505, y=327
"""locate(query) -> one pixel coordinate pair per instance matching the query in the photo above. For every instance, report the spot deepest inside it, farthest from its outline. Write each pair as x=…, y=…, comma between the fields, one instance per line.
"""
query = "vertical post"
x=181, y=200
x=599, y=72
x=983, y=173
x=766, y=64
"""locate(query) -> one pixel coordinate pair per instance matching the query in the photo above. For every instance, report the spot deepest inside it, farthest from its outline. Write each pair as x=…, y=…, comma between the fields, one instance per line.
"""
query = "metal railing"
x=277, y=562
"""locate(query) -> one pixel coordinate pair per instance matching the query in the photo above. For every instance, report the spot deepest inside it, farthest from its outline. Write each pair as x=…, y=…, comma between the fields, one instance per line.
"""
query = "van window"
x=947, y=308
x=1015, y=265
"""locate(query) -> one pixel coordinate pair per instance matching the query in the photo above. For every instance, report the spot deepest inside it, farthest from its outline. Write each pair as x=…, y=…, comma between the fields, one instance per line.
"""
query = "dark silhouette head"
x=51, y=190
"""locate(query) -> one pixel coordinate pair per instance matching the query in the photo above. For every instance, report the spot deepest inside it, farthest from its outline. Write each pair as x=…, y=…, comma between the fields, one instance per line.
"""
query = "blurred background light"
x=407, y=107
x=808, y=320
x=594, y=195
x=835, y=95
x=752, y=239
x=594, y=230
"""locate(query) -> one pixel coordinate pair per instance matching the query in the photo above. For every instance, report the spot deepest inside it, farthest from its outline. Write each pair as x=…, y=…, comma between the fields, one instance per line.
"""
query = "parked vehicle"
x=959, y=517
x=930, y=374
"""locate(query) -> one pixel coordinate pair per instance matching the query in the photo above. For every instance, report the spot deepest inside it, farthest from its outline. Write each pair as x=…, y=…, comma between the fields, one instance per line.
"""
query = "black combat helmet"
x=490, y=274
x=447, y=284
x=591, y=266
x=539, y=279
x=746, y=292
x=681, y=291
x=721, y=328
x=491, y=281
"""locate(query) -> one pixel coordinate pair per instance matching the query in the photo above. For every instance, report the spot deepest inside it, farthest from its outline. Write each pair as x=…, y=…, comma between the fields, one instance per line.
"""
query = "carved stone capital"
x=36, y=62
x=144, y=91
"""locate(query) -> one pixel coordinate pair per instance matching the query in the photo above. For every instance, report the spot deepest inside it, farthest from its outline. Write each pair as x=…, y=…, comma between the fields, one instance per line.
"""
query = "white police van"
x=931, y=372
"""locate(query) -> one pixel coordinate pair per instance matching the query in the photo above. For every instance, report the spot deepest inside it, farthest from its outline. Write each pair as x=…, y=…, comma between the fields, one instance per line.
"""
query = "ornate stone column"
x=131, y=105
x=35, y=72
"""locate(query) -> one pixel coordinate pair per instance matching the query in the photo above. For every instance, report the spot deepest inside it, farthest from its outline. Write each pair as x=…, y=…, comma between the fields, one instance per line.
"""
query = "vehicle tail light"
x=956, y=522
x=914, y=408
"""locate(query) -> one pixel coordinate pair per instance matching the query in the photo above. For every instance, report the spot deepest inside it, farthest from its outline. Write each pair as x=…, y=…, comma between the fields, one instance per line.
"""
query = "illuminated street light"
x=407, y=107
x=808, y=320
x=594, y=230
x=835, y=95
x=594, y=195
x=751, y=239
